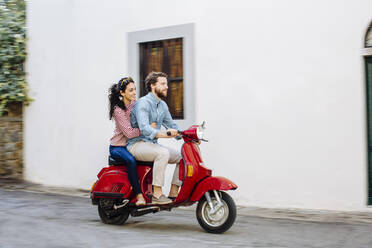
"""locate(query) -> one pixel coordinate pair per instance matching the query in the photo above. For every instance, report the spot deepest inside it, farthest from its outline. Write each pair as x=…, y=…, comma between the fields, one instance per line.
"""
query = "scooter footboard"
x=212, y=183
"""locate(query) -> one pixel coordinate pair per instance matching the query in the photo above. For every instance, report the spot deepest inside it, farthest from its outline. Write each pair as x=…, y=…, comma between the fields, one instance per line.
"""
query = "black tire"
x=109, y=215
x=226, y=222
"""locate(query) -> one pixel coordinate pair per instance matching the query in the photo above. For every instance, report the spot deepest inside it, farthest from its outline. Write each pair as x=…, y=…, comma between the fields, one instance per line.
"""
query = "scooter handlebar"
x=179, y=132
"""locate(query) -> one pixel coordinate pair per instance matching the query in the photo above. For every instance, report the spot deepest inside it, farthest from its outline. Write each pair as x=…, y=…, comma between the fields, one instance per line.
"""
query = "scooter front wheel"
x=109, y=215
x=221, y=217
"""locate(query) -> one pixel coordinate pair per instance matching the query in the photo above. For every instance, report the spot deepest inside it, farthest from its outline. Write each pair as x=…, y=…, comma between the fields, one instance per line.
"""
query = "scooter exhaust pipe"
x=143, y=211
x=125, y=202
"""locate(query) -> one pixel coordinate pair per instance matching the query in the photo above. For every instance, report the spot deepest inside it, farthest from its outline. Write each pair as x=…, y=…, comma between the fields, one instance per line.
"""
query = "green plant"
x=13, y=85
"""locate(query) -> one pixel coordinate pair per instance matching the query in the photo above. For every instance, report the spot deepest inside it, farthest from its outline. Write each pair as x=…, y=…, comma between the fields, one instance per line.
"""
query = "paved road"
x=47, y=220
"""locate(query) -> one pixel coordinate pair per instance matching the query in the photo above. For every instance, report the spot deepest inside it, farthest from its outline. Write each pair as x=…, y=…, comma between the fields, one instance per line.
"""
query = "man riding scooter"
x=149, y=109
x=117, y=196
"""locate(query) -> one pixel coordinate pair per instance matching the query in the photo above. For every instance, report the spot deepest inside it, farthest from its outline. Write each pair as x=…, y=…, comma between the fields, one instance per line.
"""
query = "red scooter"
x=216, y=210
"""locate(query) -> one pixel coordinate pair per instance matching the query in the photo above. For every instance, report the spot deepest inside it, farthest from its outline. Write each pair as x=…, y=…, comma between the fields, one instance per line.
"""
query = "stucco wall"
x=280, y=84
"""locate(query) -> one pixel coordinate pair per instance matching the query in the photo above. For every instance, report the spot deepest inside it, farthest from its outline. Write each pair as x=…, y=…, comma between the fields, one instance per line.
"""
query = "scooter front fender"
x=212, y=183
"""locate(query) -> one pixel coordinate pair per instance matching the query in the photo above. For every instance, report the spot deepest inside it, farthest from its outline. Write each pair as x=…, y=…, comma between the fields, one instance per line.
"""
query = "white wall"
x=280, y=84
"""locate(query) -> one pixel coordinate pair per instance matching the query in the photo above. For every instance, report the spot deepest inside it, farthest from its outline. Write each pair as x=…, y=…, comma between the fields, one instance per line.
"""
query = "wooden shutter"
x=165, y=56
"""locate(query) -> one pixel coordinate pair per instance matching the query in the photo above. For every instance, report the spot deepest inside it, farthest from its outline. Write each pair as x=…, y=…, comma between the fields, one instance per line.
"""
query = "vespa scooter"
x=215, y=212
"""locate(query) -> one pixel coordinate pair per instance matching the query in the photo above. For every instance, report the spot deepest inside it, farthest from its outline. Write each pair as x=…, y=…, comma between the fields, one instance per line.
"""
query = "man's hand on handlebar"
x=172, y=133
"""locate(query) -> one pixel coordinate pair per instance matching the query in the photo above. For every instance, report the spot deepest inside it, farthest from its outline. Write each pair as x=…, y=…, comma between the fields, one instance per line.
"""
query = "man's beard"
x=161, y=94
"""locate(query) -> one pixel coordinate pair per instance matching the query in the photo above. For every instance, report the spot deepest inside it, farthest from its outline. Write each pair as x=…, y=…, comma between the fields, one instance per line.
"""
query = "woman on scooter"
x=122, y=97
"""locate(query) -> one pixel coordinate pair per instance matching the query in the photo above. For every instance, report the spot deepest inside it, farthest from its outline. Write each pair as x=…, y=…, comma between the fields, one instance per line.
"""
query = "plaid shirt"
x=123, y=129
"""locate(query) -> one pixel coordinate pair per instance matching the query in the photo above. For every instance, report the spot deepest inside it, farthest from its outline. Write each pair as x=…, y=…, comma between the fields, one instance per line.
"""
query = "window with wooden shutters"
x=165, y=56
x=171, y=50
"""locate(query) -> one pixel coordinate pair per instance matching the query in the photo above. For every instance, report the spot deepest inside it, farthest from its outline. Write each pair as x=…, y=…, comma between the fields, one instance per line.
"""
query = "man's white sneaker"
x=161, y=200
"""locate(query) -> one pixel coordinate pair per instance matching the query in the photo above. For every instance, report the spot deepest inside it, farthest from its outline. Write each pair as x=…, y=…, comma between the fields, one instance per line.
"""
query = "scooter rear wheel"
x=109, y=215
x=219, y=221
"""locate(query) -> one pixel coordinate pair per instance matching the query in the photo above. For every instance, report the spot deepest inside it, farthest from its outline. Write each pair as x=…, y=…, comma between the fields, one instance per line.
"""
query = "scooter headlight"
x=200, y=131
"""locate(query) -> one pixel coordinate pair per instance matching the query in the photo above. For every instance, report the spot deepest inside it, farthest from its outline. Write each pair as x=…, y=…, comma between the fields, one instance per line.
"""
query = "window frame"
x=185, y=31
x=366, y=53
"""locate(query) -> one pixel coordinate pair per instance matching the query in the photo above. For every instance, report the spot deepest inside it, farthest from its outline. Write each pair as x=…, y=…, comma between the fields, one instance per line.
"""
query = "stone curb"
x=270, y=213
x=15, y=184
x=329, y=216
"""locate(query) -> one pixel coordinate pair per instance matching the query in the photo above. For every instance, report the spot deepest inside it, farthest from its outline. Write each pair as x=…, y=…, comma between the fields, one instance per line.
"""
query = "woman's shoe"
x=161, y=200
x=140, y=201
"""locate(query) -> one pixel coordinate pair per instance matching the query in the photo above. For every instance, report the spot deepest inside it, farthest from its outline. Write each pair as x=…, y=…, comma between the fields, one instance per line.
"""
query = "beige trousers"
x=162, y=156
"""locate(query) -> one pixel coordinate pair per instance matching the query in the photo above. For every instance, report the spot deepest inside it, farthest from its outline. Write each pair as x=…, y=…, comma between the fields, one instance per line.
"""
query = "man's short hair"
x=152, y=78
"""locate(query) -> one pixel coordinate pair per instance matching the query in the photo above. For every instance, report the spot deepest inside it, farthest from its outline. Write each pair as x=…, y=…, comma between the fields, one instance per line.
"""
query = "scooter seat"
x=112, y=161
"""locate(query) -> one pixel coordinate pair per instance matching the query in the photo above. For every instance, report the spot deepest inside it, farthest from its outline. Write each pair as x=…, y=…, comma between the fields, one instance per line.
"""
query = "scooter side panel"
x=212, y=183
x=111, y=168
x=113, y=181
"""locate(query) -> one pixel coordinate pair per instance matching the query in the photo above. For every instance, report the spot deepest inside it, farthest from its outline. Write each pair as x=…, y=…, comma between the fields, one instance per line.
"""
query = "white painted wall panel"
x=280, y=84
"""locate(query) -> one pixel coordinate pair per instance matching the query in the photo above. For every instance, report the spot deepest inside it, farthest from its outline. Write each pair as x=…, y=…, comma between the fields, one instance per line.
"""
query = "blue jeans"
x=121, y=153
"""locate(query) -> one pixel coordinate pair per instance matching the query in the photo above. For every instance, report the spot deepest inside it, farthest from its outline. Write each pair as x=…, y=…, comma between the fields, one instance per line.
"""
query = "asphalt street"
x=48, y=220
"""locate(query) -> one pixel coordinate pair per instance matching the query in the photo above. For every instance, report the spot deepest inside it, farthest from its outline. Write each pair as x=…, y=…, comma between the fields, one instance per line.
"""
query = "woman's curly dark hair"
x=114, y=94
